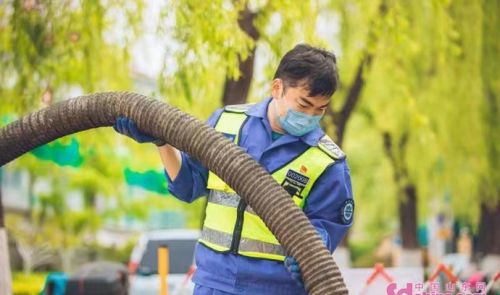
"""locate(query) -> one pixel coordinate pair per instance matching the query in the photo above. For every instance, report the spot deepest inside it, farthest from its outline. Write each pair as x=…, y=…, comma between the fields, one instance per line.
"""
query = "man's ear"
x=277, y=88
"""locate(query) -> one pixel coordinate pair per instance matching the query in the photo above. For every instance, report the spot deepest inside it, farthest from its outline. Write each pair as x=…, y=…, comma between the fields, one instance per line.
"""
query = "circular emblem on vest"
x=347, y=211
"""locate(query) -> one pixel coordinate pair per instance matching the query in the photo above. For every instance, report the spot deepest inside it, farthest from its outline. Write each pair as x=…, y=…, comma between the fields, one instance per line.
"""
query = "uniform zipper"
x=235, y=243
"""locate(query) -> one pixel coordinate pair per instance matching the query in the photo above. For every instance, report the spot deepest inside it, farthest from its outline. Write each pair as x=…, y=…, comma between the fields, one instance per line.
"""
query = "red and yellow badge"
x=303, y=169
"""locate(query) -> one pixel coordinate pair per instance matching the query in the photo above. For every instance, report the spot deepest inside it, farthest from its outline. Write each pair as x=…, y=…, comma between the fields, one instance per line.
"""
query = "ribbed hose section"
x=272, y=203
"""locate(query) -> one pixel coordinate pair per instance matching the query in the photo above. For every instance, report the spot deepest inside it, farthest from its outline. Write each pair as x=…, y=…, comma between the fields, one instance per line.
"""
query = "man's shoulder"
x=329, y=147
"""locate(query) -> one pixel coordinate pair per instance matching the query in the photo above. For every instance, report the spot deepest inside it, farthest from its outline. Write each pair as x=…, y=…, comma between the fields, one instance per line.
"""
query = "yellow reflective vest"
x=231, y=226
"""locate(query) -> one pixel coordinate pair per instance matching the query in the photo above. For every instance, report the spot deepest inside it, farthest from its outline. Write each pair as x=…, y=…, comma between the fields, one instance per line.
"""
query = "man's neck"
x=272, y=117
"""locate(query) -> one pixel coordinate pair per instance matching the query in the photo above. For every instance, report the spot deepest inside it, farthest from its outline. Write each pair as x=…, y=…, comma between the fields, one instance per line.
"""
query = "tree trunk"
x=406, y=188
x=66, y=258
x=27, y=262
x=31, y=195
x=236, y=91
x=489, y=229
x=5, y=275
x=408, y=217
x=90, y=203
x=340, y=118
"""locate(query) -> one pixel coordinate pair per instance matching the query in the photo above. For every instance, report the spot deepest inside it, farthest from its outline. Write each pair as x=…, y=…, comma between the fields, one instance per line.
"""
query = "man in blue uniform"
x=237, y=254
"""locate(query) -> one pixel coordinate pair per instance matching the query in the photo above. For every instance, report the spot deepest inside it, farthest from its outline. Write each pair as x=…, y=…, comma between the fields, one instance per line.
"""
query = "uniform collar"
x=260, y=110
x=312, y=138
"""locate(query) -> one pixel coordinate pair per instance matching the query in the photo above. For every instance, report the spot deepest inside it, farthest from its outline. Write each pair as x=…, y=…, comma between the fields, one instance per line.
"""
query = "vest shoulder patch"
x=238, y=108
x=327, y=145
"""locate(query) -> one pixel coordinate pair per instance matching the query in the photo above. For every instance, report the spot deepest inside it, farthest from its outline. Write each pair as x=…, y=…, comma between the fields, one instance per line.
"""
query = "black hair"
x=311, y=67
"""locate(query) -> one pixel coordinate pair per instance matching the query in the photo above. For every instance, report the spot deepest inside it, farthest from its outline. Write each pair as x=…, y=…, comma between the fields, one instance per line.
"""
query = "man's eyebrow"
x=311, y=104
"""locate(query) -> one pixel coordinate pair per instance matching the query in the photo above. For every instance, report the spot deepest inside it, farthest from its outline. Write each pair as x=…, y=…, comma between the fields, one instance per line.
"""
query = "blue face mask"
x=297, y=123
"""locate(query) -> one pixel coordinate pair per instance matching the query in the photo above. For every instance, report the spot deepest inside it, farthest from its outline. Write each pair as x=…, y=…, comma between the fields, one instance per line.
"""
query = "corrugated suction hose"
x=268, y=199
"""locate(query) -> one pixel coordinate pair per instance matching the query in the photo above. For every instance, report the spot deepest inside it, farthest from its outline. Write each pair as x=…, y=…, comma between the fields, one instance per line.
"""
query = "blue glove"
x=128, y=127
x=293, y=266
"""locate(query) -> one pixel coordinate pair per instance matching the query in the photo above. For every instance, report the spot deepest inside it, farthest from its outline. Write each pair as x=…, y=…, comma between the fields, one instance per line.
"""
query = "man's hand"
x=128, y=127
x=293, y=266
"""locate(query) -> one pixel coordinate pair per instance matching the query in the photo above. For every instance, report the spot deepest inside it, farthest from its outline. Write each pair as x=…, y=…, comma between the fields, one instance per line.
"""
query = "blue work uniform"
x=219, y=273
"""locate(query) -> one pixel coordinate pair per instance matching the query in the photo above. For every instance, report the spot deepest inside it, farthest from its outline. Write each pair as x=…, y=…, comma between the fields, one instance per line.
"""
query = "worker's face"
x=298, y=99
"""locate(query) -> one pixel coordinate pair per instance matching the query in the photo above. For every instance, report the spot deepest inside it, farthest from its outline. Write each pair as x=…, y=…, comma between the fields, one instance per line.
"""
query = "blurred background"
x=417, y=114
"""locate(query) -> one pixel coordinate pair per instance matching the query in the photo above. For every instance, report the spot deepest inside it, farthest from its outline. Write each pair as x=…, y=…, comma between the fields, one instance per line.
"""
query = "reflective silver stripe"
x=261, y=247
x=227, y=199
x=246, y=245
x=223, y=198
x=216, y=237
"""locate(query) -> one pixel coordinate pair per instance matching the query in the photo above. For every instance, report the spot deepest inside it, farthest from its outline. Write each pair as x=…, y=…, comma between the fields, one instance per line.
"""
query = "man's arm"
x=187, y=178
x=171, y=159
x=330, y=204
